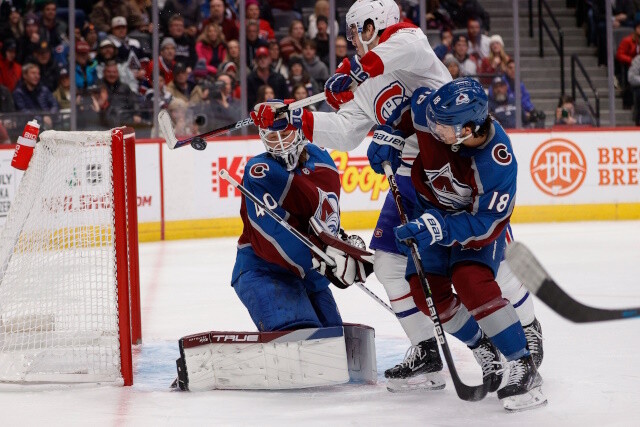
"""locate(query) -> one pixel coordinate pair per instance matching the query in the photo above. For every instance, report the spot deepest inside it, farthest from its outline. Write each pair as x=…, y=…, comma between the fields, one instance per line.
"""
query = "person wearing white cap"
x=107, y=52
x=124, y=45
x=496, y=62
x=478, y=42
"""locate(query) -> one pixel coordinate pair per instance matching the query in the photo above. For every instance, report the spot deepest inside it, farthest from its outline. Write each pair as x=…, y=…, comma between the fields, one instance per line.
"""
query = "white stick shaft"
x=318, y=97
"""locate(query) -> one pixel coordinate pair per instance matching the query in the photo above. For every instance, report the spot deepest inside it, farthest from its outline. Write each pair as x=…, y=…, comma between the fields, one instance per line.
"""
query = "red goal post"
x=69, y=276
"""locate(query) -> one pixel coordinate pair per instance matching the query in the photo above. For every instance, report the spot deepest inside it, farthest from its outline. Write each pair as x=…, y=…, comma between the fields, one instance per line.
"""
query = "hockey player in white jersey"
x=393, y=59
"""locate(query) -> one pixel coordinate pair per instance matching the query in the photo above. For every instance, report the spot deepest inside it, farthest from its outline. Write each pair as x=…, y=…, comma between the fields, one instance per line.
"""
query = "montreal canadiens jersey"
x=402, y=62
x=476, y=187
x=310, y=191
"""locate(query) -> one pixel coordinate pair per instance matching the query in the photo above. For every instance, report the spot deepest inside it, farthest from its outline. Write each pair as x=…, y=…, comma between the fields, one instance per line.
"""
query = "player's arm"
x=401, y=50
x=481, y=227
x=478, y=227
x=388, y=139
x=344, y=130
x=270, y=240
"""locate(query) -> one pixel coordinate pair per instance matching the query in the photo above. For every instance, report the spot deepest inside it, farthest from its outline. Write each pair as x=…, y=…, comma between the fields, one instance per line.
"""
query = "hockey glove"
x=347, y=270
x=264, y=116
x=426, y=230
x=349, y=73
x=337, y=99
x=386, y=146
x=353, y=262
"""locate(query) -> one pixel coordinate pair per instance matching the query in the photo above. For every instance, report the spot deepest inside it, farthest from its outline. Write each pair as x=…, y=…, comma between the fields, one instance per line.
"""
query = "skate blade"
x=523, y=402
x=428, y=382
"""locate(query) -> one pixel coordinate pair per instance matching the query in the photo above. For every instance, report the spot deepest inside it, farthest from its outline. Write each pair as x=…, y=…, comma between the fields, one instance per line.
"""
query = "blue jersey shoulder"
x=319, y=156
x=497, y=151
x=495, y=162
x=266, y=173
x=419, y=108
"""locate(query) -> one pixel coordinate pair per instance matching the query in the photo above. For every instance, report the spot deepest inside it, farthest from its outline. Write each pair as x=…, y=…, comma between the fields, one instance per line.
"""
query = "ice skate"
x=533, y=333
x=420, y=369
x=523, y=389
x=489, y=359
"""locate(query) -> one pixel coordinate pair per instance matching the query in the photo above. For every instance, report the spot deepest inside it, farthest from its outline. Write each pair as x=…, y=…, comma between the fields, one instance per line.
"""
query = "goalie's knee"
x=276, y=301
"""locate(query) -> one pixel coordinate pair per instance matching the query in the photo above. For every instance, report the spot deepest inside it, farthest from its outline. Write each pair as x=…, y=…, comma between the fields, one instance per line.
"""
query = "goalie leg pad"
x=277, y=301
x=325, y=308
x=361, y=353
x=263, y=360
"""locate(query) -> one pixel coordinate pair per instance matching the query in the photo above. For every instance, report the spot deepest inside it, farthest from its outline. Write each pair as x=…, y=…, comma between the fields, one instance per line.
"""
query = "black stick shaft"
x=319, y=97
x=465, y=392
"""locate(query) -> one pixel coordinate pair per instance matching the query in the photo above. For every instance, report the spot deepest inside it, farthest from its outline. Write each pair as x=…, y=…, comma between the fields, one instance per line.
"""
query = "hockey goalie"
x=302, y=341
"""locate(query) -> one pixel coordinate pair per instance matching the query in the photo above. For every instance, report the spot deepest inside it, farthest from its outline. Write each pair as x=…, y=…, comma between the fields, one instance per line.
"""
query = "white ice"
x=591, y=372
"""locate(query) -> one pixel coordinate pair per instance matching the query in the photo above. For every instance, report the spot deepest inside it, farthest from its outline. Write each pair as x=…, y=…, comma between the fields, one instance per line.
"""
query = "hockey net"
x=69, y=262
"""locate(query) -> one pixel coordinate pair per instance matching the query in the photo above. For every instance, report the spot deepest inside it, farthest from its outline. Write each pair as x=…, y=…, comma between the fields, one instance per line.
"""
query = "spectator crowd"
x=287, y=52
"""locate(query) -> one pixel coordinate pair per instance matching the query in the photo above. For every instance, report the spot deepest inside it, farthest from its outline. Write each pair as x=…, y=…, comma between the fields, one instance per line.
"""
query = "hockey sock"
x=513, y=290
x=390, y=269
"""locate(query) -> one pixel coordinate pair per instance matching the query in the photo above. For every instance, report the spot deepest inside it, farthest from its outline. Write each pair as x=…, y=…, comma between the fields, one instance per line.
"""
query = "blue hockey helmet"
x=454, y=105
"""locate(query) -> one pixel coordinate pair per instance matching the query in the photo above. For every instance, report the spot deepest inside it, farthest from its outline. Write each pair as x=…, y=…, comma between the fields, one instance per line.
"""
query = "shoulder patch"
x=259, y=170
x=501, y=155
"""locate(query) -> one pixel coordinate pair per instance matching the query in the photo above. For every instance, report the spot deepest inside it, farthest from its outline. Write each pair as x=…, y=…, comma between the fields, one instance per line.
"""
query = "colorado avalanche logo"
x=328, y=210
x=463, y=98
x=448, y=190
x=259, y=170
x=501, y=155
x=388, y=100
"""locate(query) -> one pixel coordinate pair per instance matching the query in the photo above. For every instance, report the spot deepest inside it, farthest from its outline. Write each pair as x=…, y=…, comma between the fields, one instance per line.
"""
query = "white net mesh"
x=58, y=292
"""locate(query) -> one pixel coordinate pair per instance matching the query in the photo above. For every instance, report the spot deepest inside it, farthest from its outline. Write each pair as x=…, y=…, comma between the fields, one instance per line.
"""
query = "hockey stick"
x=528, y=269
x=465, y=392
x=304, y=239
x=168, y=133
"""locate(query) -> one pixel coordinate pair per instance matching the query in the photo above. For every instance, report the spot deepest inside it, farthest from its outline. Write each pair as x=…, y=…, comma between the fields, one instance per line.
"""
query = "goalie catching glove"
x=353, y=262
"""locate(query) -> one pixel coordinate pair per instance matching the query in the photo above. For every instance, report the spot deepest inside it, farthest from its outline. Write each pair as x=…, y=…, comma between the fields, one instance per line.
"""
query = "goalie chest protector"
x=312, y=190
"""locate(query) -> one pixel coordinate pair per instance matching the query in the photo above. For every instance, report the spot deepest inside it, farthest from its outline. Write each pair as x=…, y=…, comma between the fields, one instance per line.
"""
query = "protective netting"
x=58, y=292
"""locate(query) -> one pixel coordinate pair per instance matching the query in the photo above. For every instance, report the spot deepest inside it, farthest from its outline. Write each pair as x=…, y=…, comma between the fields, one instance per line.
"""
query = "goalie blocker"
x=277, y=360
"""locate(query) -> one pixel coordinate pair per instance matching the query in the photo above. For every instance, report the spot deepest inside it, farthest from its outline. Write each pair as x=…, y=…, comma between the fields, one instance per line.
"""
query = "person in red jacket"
x=629, y=47
x=166, y=60
x=10, y=70
x=253, y=12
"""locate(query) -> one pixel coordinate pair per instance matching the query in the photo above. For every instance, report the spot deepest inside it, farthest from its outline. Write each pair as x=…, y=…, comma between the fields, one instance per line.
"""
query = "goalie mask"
x=285, y=146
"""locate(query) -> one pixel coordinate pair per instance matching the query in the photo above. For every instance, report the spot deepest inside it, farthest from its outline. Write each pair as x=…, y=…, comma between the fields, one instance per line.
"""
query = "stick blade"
x=526, y=267
x=166, y=129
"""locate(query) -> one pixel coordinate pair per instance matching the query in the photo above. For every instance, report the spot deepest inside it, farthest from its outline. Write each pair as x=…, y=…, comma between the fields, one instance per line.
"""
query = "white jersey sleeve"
x=404, y=61
x=344, y=130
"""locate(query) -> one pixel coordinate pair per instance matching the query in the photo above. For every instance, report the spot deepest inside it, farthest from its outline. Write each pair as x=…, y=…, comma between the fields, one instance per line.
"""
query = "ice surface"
x=591, y=372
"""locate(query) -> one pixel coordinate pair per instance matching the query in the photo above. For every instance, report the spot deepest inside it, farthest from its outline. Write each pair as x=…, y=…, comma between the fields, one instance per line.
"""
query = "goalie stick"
x=169, y=135
x=465, y=392
x=528, y=269
x=304, y=239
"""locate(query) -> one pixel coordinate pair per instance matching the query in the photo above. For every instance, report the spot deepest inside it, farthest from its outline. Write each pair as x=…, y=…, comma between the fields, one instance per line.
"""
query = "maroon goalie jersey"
x=309, y=191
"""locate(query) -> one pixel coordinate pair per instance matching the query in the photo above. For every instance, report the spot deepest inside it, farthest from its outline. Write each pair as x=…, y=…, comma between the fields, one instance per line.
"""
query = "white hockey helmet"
x=382, y=13
x=286, y=146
